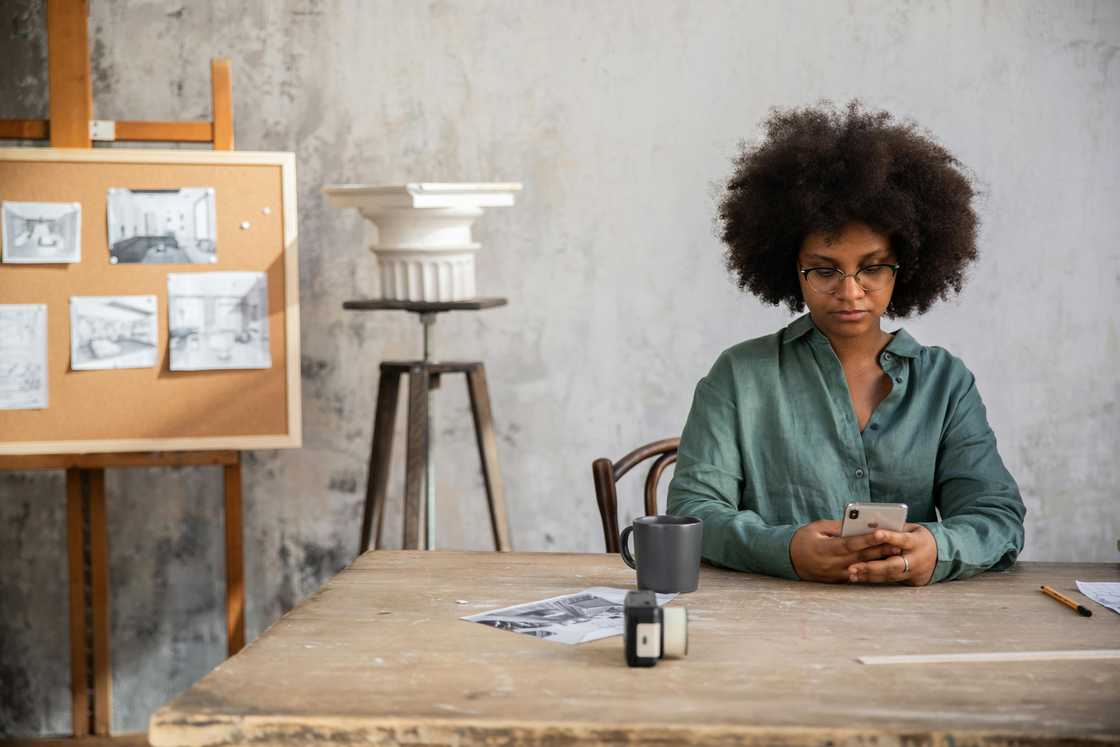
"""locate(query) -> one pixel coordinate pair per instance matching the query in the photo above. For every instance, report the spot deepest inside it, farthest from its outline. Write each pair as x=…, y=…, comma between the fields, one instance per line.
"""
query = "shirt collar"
x=902, y=343
x=798, y=328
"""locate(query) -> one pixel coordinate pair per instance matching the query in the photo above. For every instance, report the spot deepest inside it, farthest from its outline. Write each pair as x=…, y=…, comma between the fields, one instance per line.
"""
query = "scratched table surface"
x=380, y=656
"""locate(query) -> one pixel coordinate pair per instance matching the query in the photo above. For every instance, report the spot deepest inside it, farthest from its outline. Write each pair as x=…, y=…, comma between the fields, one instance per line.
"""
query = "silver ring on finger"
x=906, y=564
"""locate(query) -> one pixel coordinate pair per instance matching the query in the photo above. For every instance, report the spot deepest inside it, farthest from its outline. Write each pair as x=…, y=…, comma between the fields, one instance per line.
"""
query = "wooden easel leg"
x=381, y=451
x=99, y=578
x=75, y=543
x=488, y=454
x=68, y=66
x=221, y=103
x=416, y=461
x=235, y=560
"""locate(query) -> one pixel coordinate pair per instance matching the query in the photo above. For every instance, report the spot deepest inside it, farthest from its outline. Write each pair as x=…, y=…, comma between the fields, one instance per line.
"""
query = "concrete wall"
x=621, y=119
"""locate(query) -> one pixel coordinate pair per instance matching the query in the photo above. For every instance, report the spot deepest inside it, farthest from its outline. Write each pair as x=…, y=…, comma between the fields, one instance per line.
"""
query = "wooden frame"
x=289, y=232
x=72, y=109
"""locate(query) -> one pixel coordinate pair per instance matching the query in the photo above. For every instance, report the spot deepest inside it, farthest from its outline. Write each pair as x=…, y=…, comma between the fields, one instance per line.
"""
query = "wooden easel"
x=71, y=125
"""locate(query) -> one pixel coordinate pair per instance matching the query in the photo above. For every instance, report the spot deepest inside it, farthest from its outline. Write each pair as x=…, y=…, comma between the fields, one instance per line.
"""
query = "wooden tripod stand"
x=424, y=376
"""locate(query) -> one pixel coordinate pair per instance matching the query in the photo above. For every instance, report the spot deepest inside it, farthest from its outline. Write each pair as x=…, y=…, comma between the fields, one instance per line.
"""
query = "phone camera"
x=853, y=514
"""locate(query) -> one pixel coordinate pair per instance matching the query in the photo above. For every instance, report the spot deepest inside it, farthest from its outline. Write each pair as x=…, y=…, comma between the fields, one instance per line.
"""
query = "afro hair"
x=819, y=168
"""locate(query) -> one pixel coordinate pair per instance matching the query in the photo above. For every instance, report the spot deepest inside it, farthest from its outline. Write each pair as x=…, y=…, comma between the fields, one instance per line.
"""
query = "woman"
x=855, y=216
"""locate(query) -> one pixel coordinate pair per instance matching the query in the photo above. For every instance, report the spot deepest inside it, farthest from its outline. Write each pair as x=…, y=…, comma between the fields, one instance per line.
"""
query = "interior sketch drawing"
x=113, y=332
x=162, y=226
x=41, y=232
x=23, y=356
x=218, y=320
x=572, y=618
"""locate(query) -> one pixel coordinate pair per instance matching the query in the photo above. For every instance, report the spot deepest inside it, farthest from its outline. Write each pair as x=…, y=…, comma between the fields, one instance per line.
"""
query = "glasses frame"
x=845, y=275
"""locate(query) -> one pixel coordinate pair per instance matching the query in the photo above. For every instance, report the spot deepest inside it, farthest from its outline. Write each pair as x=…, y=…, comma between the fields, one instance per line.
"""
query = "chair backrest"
x=607, y=474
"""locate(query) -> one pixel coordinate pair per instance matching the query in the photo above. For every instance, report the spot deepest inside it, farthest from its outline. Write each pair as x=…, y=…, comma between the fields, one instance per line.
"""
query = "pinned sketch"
x=162, y=226
x=41, y=232
x=218, y=320
x=585, y=616
x=113, y=332
x=23, y=356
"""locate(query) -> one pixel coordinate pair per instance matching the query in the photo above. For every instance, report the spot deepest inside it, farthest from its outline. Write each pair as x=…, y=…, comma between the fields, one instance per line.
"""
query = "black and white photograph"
x=585, y=616
x=42, y=232
x=109, y=332
x=23, y=356
x=218, y=320
x=162, y=226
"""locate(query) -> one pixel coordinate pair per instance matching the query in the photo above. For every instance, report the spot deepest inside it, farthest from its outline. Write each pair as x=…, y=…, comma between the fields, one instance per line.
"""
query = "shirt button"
x=887, y=356
x=874, y=426
x=898, y=379
x=859, y=473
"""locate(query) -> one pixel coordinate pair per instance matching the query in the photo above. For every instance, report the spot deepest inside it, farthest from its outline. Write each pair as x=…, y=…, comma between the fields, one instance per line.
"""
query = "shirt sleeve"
x=981, y=510
x=707, y=483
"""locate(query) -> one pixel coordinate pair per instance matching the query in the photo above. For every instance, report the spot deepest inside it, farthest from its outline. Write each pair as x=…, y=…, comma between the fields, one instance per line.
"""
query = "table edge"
x=169, y=728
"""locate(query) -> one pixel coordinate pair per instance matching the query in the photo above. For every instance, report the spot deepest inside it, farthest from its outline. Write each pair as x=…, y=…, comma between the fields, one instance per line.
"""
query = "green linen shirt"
x=772, y=443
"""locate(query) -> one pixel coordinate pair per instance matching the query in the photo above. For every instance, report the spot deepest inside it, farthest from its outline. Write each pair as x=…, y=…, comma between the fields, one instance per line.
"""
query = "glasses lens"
x=824, y=280
x=875, y=277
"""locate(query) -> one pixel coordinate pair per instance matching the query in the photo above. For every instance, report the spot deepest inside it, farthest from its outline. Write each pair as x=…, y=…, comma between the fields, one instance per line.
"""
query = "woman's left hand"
x=916, y=544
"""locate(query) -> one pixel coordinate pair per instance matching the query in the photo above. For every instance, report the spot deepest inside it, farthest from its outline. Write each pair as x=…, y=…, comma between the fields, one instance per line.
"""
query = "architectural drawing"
x=23, y=356
x=218, y=320
x=113, y=332
x=572, y=618
x=162, y=226
x=40, y=232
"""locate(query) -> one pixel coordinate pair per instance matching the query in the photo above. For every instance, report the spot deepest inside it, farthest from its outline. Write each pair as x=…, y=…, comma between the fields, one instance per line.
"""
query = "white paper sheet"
x=587, y=615
x=162, y=226
x=41, y=232
x=108, y=332
x=1102, y=592
x=23, y=356
x=218, y=320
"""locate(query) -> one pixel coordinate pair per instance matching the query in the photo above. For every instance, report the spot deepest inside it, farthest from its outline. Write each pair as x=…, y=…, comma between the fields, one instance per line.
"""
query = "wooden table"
x=380, y=656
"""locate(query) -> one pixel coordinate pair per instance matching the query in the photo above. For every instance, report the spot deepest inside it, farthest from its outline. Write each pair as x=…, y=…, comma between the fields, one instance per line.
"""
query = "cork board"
x=157, y=409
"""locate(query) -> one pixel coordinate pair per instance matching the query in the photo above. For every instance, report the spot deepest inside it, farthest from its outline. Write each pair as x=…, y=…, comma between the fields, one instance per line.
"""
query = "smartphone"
x=864, y=518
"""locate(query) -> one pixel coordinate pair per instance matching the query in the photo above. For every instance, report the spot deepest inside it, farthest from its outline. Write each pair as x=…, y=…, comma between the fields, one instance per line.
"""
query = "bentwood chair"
x=607, y=475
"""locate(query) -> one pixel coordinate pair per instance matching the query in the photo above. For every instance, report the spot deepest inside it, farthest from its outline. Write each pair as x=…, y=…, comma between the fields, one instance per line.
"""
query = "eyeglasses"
x=827, y=280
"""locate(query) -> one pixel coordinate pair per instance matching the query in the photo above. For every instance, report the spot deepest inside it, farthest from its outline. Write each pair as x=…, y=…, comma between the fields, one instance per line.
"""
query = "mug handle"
x=623, y=541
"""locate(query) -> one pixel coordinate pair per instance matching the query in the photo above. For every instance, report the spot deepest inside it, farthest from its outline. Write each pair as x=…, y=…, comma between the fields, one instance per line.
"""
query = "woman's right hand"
x=819, y=553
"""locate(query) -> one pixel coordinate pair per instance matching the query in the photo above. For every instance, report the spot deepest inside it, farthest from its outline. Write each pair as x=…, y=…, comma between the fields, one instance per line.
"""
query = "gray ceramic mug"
x=667, y=550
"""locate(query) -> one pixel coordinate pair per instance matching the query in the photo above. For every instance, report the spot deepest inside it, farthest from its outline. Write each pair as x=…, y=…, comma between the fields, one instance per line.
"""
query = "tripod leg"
x=416, y=460
x=488, y=454
x=381, y=450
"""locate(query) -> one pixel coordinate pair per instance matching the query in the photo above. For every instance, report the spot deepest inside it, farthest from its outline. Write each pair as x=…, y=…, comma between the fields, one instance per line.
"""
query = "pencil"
x=1083, y=611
